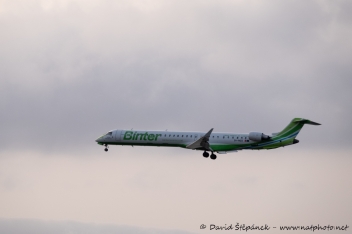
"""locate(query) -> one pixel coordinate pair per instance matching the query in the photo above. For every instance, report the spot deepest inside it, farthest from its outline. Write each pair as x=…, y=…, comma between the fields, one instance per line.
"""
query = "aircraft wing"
x=201, y=143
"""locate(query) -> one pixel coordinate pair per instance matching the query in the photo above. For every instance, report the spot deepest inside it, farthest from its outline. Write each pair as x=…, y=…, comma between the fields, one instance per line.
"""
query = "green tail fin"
x=294, y=127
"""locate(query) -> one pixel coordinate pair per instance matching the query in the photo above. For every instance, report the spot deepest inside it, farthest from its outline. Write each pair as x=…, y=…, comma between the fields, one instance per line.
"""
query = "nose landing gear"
x=106, y=148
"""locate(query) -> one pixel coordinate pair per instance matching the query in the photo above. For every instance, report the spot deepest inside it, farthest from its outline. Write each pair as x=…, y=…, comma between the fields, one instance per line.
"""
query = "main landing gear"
x=212, y=156
x=205, y=154
x=106, y=148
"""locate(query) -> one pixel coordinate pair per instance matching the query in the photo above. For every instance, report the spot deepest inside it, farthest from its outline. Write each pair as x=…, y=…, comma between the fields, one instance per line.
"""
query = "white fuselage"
x=168, y=138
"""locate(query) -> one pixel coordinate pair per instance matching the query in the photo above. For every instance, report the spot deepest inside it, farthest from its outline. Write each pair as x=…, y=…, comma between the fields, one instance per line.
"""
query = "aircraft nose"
x=98, y=140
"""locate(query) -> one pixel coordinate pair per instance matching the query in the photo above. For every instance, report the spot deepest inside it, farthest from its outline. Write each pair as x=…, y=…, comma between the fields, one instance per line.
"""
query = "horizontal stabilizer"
x=227, y=152
x=306, y=121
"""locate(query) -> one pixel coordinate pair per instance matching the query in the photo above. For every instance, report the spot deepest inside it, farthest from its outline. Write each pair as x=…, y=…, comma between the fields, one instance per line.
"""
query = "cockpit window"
x=109, y=134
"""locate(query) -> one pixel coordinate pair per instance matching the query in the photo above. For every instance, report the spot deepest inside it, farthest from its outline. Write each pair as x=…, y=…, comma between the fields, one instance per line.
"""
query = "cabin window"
x=191, y=135
x=174, y=135
x=182, y=135
x=186, y=135
x=177, y=135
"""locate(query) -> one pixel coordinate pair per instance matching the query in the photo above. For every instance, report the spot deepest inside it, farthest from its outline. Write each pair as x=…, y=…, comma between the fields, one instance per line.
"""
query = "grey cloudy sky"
x=71, y=70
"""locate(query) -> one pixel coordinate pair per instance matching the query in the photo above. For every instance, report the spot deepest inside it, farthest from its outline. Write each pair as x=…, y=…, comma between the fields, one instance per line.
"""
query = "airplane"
x=218, y=142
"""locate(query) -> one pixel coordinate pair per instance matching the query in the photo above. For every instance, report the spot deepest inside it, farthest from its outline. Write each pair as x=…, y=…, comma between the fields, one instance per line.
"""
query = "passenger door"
x=117, y=135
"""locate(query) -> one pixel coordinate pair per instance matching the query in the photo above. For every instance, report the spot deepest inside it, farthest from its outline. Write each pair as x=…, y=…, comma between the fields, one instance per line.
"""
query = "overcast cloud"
x=70, y=70
x=75, y=69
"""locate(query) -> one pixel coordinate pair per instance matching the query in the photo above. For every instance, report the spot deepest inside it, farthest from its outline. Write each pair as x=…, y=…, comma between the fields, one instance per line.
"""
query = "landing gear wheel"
x=213, y=156
x=205, y=154
x=106, y=149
